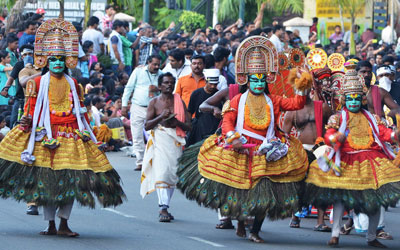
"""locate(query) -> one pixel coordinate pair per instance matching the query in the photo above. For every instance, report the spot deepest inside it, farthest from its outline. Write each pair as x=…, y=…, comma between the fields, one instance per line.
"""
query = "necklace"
x=60, y=97
x=360, y=136
x=257, y=112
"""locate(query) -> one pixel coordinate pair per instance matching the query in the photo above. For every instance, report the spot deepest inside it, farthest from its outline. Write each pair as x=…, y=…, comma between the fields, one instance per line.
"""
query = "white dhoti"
x=160, y=164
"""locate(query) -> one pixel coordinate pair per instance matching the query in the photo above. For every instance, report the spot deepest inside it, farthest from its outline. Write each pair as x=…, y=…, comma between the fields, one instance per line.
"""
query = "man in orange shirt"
x=187, y=84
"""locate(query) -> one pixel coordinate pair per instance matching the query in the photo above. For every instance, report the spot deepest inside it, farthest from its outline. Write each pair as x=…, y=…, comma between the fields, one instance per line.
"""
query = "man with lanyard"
x=143, y=84
x=177, y=65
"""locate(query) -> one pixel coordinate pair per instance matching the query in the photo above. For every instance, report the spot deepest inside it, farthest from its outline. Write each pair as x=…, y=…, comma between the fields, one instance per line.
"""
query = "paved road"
x=134, y=225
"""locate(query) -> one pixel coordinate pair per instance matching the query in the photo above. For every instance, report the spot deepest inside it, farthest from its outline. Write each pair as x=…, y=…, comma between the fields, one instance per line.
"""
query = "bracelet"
x=231, y=136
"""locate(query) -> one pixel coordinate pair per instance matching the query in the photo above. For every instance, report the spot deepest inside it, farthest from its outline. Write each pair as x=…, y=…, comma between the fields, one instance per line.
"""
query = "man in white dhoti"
x=168, y=119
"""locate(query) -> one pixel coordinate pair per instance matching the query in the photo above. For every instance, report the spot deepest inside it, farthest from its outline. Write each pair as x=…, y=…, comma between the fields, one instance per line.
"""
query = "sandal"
x=225, y=224
x=294, y=223
x=345, y=230
x=171, y=216
x=322, y=228
x=164, y=218
x=383, y=235
x=255, y=238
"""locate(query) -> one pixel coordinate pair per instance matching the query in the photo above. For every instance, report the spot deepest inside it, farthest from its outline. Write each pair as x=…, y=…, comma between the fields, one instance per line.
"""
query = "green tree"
x=229, y=9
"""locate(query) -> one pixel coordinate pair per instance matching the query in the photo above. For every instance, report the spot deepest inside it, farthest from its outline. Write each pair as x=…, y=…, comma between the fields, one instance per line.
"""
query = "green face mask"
x=257, y=83
x=57, y=64
x=353, y=102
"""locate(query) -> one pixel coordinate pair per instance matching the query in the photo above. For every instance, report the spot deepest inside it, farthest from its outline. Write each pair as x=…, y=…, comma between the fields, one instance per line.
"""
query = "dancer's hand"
x=341, y=138
x=237, y=144
x=26, y=121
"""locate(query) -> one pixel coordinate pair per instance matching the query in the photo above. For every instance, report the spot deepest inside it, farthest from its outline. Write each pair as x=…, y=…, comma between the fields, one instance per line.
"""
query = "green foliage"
x=191, y=21
x=229, y=9
x=105, y=60
x=165, y=16
x=8, y=3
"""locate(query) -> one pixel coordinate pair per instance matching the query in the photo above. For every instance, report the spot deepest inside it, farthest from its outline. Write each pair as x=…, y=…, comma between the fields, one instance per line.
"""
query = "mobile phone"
x=374, y=40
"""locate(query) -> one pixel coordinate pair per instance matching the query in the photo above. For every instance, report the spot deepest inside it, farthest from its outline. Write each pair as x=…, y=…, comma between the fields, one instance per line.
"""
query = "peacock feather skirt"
x=368, y=181
x=76, y=170
x=275, y=192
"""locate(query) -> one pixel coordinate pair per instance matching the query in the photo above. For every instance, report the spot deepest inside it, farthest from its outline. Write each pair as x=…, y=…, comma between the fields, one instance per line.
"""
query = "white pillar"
x=215, y=12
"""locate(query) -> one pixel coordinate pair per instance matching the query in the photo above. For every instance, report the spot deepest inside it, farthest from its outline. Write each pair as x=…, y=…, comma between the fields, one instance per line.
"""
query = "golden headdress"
x=256, y=55
x=56, y=37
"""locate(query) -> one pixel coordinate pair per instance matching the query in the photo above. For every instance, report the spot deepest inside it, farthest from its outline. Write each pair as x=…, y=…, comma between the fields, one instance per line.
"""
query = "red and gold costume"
x=358, y=172
x=56, y=159
x=243, y=182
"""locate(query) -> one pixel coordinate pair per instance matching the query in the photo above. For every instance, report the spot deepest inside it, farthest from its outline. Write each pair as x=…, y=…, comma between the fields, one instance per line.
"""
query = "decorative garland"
x=361, y=147
x=256, y=123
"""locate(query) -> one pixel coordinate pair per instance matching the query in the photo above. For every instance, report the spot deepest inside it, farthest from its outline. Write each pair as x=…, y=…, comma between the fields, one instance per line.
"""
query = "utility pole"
x=208, y=13
x=146, y=11
x=241, y=10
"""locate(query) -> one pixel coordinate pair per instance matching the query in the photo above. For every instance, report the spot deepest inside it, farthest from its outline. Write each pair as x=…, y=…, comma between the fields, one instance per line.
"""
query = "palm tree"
x=230, y=8
x=352, y=7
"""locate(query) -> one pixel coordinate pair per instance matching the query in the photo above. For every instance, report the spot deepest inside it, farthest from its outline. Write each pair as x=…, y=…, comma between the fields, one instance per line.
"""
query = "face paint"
x=353, y=102
x=57, y=64
x=257, y=83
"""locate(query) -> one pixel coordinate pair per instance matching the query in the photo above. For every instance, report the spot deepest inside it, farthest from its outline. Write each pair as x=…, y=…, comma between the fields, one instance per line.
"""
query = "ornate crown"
x=56, y=37
x=255, y=55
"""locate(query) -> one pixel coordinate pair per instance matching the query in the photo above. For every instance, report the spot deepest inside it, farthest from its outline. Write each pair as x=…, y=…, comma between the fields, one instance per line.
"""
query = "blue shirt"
x=26, y=39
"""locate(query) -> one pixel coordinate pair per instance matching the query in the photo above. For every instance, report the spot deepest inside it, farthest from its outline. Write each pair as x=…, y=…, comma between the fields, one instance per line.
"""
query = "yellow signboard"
x=330, y=9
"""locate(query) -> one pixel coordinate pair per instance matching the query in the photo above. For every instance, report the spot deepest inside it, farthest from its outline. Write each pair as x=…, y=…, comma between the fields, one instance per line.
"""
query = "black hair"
x=35, y=17
x=363, y=64
x=266, y=30
x=117, y=24
x=109, y=6
x=177, y=54
x=188, y=52
x=181, y=40
x=220, y=53
x=276, y=28
x=86, y=45
x=162, y=42
x=121, y=75
x=388, y=59
x=223, y=42
x=209, y=61
x=94, y=91
x=198, y=57
x=3, y=54
x=234, y=49
x=255, y=32
x=93, y=20
x=12, y=38
x=213, y=31
x=150, y=58
x=2, y=118
x=96, y=100
x=198, y=42
x=95, y=81
x=29, y=23
x=160, y=78
x=114, y=98
x=315, y=19
x=87, y=101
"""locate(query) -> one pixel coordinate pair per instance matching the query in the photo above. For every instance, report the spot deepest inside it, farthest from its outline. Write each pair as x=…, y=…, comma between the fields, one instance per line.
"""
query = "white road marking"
x=206, y=241
x=118, y=212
